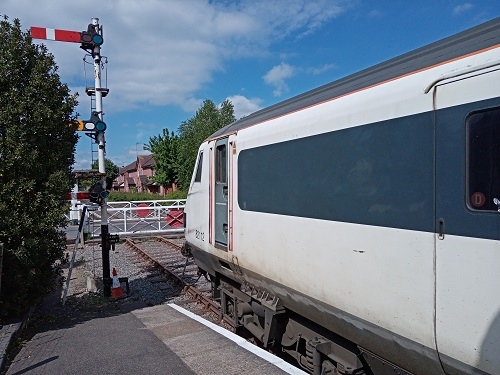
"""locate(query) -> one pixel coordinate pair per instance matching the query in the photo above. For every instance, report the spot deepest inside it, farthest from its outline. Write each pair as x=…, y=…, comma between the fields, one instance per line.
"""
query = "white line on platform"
x=278, y=362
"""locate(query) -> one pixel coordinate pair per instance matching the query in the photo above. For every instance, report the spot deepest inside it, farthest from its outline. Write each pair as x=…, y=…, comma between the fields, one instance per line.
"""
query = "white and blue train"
x=356, y=227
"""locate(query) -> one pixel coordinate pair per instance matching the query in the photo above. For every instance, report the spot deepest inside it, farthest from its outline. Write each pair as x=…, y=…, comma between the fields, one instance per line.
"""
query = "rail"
x=137, y=217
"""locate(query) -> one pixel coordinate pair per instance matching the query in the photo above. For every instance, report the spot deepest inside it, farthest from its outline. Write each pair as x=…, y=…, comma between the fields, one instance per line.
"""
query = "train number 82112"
x=200, y=235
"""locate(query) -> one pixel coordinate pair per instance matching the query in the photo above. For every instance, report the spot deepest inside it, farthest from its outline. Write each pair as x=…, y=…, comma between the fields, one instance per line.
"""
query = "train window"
x=483, y=165
x=221, y=160
x=197, y=177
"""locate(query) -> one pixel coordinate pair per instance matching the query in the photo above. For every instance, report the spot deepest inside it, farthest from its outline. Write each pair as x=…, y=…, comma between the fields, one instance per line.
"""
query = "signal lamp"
x=100, y=126
x=97, y=39
x=85, y=37
x=90, y=38
x=95, y=123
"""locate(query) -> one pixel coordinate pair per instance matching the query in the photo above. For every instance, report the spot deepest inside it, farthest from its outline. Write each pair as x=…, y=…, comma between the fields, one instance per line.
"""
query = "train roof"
x=475, y=39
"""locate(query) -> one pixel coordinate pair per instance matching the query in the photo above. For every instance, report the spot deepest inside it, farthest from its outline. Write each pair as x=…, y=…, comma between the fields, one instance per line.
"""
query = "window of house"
x=197, y=177
x=483, y=164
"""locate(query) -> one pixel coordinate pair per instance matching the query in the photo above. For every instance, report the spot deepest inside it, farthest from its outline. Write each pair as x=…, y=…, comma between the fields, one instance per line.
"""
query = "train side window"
x=483, y=164
x=197, y=177
x=221, y=160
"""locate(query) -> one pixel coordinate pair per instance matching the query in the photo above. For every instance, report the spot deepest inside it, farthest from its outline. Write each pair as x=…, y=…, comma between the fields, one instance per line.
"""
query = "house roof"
x=131, y=167
x=131, y=181
x=147, y=161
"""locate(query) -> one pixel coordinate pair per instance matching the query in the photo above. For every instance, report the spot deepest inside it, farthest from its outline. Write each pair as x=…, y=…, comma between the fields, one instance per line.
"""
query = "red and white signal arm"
x=78, y=195
x=55, y=34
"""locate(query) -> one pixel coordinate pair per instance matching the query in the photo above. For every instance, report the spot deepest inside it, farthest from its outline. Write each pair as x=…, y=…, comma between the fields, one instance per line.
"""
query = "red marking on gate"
x=175, y=218
x=478, y=199
x=78, y=195
x=143, y=212
x=55, y=34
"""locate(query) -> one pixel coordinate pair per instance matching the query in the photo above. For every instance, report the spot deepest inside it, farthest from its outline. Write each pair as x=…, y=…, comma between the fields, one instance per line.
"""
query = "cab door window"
x=197, y=177
x=483, y=164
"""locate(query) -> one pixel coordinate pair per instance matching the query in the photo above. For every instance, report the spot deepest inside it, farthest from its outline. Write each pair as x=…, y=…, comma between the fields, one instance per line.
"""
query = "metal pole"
x=106, y=279
x=72, y=262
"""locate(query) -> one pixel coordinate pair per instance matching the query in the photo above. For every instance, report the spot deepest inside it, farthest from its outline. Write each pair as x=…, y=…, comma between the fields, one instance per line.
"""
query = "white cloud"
x=244, y=106
x=278, y=74
x=276, y=77
x=164, y=52
x=459, y=9
x=320, y=70
x=82, y=164
x=137, y=149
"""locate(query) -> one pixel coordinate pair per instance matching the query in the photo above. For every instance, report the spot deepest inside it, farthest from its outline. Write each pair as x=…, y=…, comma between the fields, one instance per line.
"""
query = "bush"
x=178, y=194
x=37, y=152
x=118, y=196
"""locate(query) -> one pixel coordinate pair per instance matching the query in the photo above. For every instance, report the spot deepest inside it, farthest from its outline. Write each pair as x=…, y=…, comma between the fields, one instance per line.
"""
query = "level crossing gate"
x=137, y=217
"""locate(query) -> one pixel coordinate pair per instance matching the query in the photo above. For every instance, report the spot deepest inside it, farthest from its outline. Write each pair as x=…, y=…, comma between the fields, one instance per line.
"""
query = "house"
x=138, y=177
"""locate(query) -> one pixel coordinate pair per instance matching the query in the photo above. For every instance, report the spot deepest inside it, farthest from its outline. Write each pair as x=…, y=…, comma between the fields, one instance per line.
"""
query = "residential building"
x=138, y=177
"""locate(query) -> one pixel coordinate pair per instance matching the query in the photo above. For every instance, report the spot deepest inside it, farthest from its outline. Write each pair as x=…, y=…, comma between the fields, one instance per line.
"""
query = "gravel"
x=143, y=283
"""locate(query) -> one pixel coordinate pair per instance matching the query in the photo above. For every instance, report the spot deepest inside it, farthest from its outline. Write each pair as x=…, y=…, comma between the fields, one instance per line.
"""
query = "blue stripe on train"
x=378, y=174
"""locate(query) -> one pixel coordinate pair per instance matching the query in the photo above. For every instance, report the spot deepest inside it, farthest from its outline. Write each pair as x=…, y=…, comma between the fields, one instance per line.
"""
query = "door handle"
x=441, y=229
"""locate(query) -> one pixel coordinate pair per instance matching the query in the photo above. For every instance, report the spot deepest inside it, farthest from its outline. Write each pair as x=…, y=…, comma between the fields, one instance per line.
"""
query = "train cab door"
x=467, y=254
x=221, y=193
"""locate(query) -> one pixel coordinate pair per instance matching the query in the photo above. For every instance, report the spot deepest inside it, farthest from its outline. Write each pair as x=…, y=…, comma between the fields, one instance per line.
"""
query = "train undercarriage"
x=262, y=316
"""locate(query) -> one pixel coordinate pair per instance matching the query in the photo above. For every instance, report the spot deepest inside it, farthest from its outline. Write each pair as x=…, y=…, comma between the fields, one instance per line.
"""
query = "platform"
x=162, y=339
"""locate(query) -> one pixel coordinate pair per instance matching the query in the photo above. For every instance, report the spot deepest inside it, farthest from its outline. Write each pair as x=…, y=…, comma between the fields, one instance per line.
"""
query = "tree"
x=111, y=168
x=112, y=171
x=194, y=131
x=164, y=147
x=37, y=151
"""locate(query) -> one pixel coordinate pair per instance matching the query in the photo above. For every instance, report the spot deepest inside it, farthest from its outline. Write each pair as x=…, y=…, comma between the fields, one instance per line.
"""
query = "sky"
x=165, y=57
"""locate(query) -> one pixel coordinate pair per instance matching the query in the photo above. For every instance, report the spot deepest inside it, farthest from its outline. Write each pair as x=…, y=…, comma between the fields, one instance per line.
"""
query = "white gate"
x=138, y=217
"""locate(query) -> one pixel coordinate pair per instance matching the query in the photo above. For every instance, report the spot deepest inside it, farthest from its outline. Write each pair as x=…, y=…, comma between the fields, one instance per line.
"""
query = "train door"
x=221, y=187
x=468, y=223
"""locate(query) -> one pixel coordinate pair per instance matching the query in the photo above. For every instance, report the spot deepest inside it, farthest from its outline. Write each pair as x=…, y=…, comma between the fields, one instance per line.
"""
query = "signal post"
x=91, y=41
x=94, y=33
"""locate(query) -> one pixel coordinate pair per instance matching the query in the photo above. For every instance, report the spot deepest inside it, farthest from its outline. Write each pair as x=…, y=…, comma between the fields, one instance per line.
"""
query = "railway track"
x=166, y=265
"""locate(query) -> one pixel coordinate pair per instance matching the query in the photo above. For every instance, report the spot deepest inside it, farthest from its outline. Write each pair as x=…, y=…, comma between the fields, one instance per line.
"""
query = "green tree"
x=207, y=120
x=111, y=168
x=37, y=151
x=164, y=147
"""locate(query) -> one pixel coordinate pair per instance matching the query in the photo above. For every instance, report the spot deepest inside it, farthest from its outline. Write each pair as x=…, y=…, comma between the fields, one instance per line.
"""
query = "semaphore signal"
x=55, y=34
x=90, y=41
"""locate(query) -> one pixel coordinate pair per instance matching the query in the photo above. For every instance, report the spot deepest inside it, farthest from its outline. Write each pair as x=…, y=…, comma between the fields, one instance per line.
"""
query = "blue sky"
x=166, y=56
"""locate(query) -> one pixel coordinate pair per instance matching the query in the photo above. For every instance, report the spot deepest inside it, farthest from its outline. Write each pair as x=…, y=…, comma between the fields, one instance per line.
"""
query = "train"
x=355, y=228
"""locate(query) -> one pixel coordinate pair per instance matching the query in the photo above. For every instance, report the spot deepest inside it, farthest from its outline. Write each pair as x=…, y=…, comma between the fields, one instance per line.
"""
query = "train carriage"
x=356, y=227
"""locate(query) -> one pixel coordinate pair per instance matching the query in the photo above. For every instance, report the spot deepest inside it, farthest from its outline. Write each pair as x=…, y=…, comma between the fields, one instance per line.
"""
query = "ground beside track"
x=118, y=336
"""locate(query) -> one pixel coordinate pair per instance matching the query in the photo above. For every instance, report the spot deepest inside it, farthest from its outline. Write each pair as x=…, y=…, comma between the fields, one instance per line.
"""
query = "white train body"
x=367, y=208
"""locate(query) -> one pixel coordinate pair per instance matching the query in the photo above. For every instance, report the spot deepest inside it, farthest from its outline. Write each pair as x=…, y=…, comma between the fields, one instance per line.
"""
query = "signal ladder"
x=90, y=90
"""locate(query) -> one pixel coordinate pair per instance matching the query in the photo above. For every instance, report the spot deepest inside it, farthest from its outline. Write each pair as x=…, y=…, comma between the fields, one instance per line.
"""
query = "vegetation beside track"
x=37, y=147
x=118, y=196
